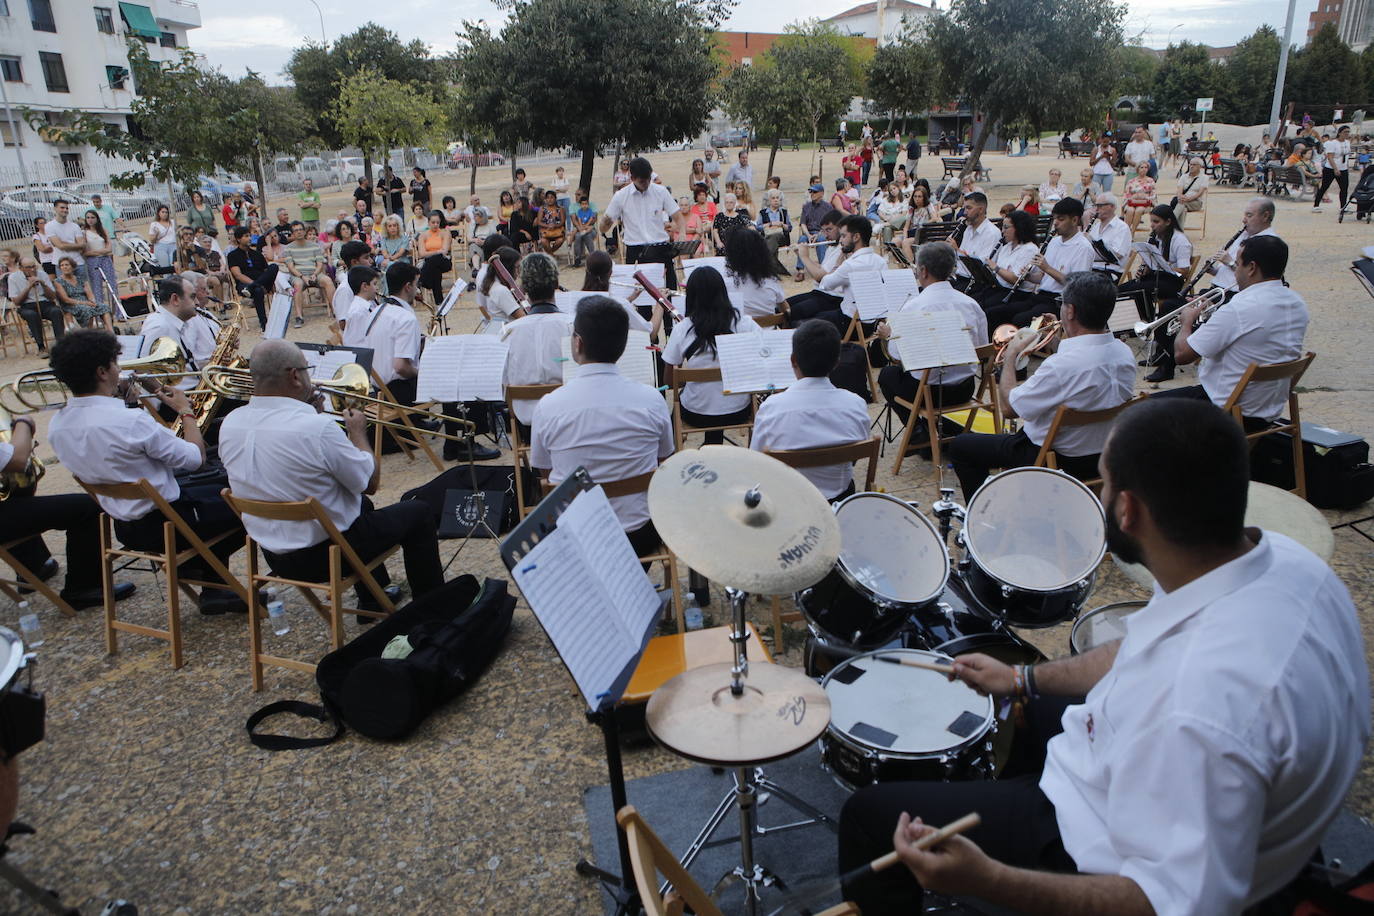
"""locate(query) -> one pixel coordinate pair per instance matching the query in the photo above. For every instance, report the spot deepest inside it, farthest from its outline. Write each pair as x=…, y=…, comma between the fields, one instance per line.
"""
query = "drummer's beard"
x=1122, y=545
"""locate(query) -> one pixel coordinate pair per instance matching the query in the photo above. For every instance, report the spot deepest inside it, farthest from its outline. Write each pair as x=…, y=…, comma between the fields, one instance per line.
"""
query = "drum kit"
x=887, y=611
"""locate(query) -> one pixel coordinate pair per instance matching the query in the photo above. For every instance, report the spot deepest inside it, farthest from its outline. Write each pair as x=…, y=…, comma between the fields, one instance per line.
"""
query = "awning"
x=140, y=20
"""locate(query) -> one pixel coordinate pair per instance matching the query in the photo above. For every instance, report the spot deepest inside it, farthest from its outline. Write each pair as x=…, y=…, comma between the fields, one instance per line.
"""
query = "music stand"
x=978, y=269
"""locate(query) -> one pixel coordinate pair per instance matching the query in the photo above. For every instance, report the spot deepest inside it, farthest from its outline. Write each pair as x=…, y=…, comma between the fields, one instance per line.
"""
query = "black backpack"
x=851, y=373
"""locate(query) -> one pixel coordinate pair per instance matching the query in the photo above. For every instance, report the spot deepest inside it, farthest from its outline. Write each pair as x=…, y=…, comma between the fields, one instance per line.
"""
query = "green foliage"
x=1326, y=73
x=1136, y=68
x=763, y=97
x=822, y=69
x=1251, y=71
x=376, y=113
x=902, y=74
x=1367, y=59
x=1185, y=75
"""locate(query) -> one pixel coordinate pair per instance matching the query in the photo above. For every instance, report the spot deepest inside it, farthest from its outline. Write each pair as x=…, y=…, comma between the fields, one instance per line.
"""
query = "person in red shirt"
x=232, y=211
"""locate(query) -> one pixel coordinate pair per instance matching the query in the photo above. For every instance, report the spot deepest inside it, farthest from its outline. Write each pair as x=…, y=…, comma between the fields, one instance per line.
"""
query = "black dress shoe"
x=96, y=596
x=45, y=572
x=369, y=603
x=468, y=451
x=216, y=601
x=1162, y=374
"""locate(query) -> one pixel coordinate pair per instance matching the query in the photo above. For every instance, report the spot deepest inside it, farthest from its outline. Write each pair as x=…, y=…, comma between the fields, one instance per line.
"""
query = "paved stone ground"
x=147, y=788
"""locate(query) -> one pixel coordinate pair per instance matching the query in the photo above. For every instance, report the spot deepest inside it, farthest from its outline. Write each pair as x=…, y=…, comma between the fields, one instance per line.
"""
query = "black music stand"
x=537, y=525
x=361, y=355
x=978, y=270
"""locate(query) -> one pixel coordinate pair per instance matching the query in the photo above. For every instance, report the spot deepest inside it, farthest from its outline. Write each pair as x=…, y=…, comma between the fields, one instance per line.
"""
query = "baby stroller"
x=1362, y=196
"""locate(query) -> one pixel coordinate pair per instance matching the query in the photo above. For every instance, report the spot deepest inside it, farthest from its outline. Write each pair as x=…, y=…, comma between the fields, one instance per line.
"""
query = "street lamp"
x=1168, y=41
x=323, y=39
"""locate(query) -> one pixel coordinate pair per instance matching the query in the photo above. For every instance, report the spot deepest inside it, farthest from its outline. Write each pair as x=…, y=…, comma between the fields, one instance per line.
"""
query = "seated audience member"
x=536, y=340
x=614, y=427
x=250, y=271
x=813, y=413
x=305, y=261
x=1191, y=767
x=1091, y=370
x=100, y=440
x=279, y=447
x=692, y=345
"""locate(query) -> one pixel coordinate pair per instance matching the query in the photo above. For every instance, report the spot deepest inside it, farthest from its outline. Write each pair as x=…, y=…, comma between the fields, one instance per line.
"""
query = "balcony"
x=177, y=12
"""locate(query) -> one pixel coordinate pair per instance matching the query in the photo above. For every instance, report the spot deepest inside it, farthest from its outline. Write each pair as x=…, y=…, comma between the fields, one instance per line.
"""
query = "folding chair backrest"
x=649, y=857
x=770, y=321
x=833, y=454
x=1292, y=370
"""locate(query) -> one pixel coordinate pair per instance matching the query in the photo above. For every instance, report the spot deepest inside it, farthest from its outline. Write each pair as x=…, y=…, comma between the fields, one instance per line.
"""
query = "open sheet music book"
x=459, y=287
x=591, y=596
x=278, y=316
x=925, y=340
x=755, y=361
x=567, y=299
x=900, y=284
x=1103, y=252
x=1151, y=258
x=637, y=363
x=462, y=367
x=979, y=270
x=324, y=360
x=691, y=264
x=876, y=295
x=625, y=273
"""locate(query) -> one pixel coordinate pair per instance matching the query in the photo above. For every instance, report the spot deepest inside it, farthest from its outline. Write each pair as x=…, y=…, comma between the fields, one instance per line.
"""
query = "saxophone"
x=205, y=401
x=14, y=481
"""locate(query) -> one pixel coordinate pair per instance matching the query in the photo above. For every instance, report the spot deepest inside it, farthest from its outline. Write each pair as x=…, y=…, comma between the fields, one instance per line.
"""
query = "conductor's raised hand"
x=956, y=866
x=985, y=674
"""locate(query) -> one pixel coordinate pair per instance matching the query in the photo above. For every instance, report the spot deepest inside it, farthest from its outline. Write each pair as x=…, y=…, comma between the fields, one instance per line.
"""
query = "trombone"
x=40, y=389
x=1211, y=300
x=350, y=386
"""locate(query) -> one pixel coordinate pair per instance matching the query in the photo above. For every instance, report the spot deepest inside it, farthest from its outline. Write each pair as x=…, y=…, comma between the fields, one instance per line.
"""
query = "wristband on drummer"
x=1018, y=681
x=1032, y=693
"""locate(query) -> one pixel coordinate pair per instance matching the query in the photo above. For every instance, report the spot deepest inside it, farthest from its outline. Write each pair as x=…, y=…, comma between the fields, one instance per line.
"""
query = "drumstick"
x=942, y=667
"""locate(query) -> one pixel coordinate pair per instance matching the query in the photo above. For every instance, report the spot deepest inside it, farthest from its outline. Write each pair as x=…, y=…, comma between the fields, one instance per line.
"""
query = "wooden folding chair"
x=984, y=398
x=855, y=334
x=14, y=333
x=169, y=558
x=680, y=376
x=393, y=411
x=519, y=448
x=775, y=320
x=1068, y=417
x=650, y=858
x=340, y=552
x=819, y=457
x=27, y=578
x=1273, y=372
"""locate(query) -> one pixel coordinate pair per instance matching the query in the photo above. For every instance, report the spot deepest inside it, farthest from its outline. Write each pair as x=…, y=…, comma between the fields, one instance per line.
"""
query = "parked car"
x=463, y=159
x=732, y=137
x=351, y=167
x=136, y=204
x=38, y=199
x=290, y=172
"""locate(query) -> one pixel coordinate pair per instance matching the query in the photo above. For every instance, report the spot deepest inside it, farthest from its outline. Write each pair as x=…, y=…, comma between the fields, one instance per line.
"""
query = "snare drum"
x=1034, y=538
x=891, y=722
x=892, y=562
x=1101, y=625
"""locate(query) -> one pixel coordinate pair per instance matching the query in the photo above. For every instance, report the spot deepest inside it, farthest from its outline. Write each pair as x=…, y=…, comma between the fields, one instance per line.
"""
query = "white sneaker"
x=1316, y=209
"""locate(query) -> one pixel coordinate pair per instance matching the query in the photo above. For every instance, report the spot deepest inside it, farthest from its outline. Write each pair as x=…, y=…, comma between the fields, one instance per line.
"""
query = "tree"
x=376, y=113
x=763, y=97
x=264, y=121
x=1251, y=70
x=587, y=75
x=1185, y=75
x=1326, y=73
x=1054, y=75
x=1135, y=72
x=824, y=68
x=902, y=74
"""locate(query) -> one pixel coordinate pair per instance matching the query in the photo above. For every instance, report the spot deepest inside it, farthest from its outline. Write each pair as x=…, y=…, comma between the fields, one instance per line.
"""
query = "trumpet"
x=1040, y=332
x=13, y=481
x=1211, y=300
x=349, y=387
x=41, y=390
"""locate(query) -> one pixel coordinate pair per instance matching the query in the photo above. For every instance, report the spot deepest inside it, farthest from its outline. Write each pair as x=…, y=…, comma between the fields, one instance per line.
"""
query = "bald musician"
x=1190, y=768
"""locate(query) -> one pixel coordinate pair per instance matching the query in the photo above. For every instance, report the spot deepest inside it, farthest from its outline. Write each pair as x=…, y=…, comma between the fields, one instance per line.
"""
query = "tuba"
x=14, y=481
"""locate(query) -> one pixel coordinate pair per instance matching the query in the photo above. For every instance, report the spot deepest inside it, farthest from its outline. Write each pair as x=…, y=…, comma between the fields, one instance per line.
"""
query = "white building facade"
x=894, y=16
x=64, y=56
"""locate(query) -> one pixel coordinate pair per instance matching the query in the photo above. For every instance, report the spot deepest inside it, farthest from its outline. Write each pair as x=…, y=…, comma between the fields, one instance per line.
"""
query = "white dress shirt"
x=750, y=297
x=643, y=214
x=614, y=427
x=1014, y=258
x=501, y=303
x=979, y=241
x=282, y=450
x=1116, y=236
x=1264, y=323
x=6, y=453
x=102, y=441
x=1225, y=274
x=389, y=328
x=536, y=354
x=1180, y=251
x=708, y=398
x=343, y=300
x=1067, y=257
x=813, y=413
x=1088, y=372
x=44, y=289
x=1212, y=757
x=832, y=257
x=941, y=297
x=836, y=283
x=196, y=337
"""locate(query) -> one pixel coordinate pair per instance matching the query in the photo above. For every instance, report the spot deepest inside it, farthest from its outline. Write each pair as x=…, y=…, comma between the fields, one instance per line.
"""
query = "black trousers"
x=409, y=524
x=1155, y=286
x=34, y=316
x=208, y=515
x=1018, y=822
x=258, y=289
x=75, y=513
x=716, y=436
x=808, y=305
x=432, y=270
x=657, y=253
x=974, y=455
x=896, y=382
x=1021, y=310
x=887, y=170
x=1342, y=180
x=645, y=539
x=1198, y=393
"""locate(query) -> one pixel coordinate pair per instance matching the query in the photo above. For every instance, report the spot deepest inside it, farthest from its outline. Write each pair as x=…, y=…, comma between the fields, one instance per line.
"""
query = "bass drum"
x=1034, y=538
x=892, y=562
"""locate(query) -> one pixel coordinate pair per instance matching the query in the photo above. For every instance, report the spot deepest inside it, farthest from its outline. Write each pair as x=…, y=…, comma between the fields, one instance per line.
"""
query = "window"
x=71, y=165
x=7, y=133
x=104, y=19
x=117, y=77
x=11, y=69
x=54, y=74
x=40, y=14
x=4, y=9
x=168, y=39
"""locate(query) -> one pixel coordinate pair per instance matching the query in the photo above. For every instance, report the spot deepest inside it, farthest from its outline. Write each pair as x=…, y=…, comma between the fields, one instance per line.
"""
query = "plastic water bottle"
x=691, y=611
x=276, y=616
x=30, y=627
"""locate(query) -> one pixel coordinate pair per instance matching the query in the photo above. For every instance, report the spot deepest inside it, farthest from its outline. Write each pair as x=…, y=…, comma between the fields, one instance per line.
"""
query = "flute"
x=656, y=294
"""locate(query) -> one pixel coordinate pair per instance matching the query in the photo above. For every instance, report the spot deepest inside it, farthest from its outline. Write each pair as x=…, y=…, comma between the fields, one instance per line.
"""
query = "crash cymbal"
x=696, y=716
x=1273, y=509
x=744, y=519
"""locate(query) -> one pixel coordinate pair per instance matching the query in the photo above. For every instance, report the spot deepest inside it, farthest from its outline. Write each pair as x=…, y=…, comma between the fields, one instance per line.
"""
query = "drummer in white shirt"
x=1213, y=746
x=1091, y=370
x=856, y=232
x=749, y=278
x=1265, y=323
x=948, y=384
x=980, y=236
x=1111, y=230
x=812, y=412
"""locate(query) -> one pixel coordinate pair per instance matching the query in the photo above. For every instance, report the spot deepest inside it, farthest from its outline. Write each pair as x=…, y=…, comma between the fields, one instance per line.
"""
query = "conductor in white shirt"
x=644, y=209
x=1211, y=748
x=1091, y=370
x=614, y=427
x=813, y=413
x=281, y=448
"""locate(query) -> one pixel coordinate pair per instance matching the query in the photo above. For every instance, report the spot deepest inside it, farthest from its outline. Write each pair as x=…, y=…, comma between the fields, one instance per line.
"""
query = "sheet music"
x=278, y=317
x=1152, y=258
x=929, y=339
x=1103, y=252
x=637, y=363
x=899, y=285
x=459, y=287
x=130, y=346
x=566, y=299
x=462, y=367
x=328, y=363
x=590, y=594
x=654, y=271
x=755, y=361
x=869, y=294
x=691, y=264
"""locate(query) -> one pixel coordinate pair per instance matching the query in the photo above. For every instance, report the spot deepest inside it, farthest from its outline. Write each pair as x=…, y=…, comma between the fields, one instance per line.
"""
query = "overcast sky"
x=259, y=34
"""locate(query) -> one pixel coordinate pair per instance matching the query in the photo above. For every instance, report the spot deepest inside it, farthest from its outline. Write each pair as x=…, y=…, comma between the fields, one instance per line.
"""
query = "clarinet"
x=1025, y=271
x=959, y=231
x=1209, y=264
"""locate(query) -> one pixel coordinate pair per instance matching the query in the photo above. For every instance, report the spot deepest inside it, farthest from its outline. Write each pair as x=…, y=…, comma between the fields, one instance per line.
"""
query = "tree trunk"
x=772, y=155
x=512, y=166
x=472, y=177
x=171, y=200
x=261, y=179
x=976, y=152
x=815, y=142
x=367, y=167
x=584, y=178
x=891, y=116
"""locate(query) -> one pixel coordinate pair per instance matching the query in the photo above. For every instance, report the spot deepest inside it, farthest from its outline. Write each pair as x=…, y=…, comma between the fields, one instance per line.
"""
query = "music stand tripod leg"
x=478, y=497
x=621, y=887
